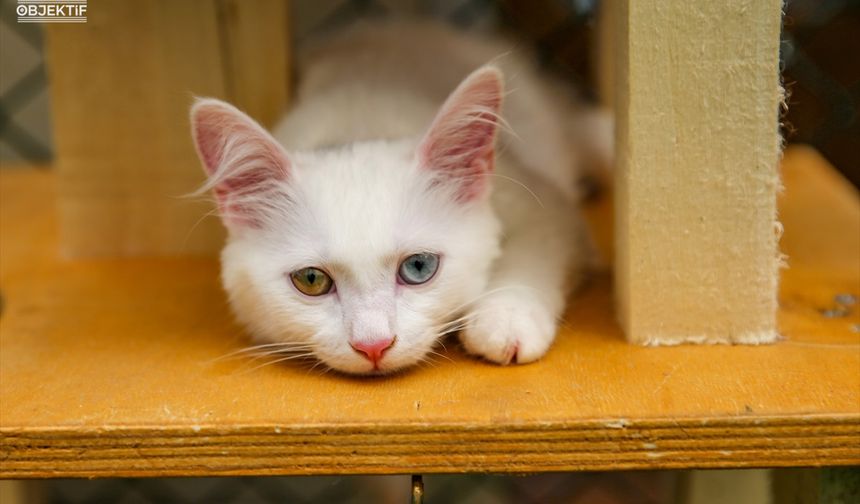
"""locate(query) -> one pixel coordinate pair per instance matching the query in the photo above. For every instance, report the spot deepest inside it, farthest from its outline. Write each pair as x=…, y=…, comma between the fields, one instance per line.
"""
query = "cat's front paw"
x=509, y=328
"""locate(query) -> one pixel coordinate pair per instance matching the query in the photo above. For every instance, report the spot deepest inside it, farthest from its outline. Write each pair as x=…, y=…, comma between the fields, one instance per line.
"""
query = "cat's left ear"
x=460, y=144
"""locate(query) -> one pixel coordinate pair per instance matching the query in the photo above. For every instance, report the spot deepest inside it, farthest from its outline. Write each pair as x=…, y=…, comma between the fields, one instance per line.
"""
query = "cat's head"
x=358, y=255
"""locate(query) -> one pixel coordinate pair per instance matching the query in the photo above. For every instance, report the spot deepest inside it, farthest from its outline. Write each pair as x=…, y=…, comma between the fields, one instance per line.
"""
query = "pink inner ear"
x=209, y=140
x=241, y=159
x=460, y=142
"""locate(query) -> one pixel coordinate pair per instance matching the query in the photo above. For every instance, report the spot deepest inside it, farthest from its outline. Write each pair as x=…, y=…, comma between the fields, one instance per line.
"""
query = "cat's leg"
x=544, y=254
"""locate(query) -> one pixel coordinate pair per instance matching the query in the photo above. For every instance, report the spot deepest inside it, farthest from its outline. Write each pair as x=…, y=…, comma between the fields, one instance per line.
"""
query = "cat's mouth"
x=376, y=372
x=380, y=369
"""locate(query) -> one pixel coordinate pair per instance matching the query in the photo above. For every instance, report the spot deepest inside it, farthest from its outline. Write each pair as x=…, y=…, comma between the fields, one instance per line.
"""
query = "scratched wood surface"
x=106, y=369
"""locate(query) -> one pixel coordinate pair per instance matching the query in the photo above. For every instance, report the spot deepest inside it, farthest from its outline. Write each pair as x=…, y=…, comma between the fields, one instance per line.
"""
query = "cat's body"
x=380, y=173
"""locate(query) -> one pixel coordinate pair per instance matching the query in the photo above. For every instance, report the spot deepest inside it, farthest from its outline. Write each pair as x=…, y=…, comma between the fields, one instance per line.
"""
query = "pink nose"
x=372, y=349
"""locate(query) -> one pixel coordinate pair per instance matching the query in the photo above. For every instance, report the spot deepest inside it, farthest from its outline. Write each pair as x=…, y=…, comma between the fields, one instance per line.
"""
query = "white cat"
x=380, y=215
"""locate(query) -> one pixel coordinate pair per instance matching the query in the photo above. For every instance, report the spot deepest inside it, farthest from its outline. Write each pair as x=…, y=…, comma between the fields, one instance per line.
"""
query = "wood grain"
x=121, y=87
x=698, y=148
x=110, y=368
x=257, y=45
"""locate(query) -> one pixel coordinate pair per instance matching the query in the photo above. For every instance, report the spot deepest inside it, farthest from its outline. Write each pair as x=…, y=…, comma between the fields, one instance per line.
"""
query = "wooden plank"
x=109, y=368
x=746, y=486
x=12, y=492
x=697, y=150
x=257, y=43
x=22, y=492
x=121, y=88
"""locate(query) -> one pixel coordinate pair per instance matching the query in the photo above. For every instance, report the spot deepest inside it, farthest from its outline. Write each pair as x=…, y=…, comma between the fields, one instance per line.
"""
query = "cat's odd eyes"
x=312, y=281
x=414, y=270
x=418, y=268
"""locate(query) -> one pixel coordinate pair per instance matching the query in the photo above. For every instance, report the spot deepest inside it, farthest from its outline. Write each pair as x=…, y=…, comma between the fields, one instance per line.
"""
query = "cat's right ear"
x=242, y=160
x=460, y=145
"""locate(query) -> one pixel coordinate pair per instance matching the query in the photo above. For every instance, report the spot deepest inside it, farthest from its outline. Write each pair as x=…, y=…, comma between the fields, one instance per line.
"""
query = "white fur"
x=357, y=202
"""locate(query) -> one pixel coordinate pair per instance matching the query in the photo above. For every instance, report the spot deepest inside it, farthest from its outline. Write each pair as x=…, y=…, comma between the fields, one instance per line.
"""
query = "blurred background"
x=575, y=488
x=820, y=59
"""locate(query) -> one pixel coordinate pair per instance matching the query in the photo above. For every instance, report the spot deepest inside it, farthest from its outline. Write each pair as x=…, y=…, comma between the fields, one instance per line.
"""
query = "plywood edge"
x=608, y=444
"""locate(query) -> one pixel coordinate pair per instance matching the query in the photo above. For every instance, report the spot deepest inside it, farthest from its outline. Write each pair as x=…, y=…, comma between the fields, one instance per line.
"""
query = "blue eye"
x=418, y=268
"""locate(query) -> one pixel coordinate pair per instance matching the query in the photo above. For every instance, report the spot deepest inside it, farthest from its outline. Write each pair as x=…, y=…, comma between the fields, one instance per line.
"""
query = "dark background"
x=819, y=58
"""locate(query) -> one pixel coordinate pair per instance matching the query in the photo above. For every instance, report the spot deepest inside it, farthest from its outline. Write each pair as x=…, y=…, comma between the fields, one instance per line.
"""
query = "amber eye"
x=311, y=281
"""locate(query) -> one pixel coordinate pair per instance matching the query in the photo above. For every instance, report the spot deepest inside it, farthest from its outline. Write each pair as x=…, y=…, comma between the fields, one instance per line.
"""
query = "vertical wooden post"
x=121, y=87
x=603, y=55
x=257, y=45
x=697, y=97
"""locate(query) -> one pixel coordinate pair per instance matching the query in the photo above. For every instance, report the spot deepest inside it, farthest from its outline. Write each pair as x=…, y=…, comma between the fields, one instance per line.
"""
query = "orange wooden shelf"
x=106, y=369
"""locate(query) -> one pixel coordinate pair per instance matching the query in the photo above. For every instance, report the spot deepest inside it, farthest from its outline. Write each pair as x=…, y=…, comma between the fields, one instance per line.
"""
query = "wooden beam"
x=697, y=101
x=738, y=486
x=121, y=88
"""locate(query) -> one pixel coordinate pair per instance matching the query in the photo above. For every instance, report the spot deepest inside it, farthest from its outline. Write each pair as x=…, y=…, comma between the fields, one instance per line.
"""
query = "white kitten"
x=380, y=215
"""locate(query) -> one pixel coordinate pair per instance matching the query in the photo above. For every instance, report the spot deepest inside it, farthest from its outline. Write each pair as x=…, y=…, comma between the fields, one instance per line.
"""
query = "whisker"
x=437, y=354
x=325, y=368
x=262, y=355
x=483, y=295
x=282, y=346
x=283, y=359
x=459, y=323
x=426, y=361
x=266, y=351
x=527, y=188
x=210, y=213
